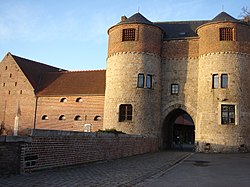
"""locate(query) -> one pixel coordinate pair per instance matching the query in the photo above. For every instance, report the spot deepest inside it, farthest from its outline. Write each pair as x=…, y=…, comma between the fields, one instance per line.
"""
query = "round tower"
x=223, y=107
x=133, y=93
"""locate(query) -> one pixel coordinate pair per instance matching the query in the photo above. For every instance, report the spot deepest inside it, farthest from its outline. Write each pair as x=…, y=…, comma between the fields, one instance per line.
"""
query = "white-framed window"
x=228, y=113
x=174, y=89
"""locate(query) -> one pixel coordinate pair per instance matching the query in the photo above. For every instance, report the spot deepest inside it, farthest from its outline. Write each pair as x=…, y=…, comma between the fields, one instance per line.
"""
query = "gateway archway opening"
x=178, y=132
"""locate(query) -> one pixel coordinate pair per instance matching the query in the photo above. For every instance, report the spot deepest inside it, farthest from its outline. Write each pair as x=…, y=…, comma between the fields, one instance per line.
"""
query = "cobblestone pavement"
x=121, y=172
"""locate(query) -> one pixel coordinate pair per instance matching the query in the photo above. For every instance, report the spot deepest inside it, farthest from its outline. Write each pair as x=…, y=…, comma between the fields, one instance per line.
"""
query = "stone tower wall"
x=121, y=88
x=126, y=59
x=183, y=72
x=223, y=57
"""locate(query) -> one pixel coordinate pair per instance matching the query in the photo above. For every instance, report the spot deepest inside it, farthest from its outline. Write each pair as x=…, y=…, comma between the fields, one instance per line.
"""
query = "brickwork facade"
x=81, y=113
x=22, y=109
x=17, y=103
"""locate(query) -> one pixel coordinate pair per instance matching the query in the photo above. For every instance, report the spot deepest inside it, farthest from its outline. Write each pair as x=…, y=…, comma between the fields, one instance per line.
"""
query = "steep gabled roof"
x=32, y=69
x=73, y=83
x=223, y=16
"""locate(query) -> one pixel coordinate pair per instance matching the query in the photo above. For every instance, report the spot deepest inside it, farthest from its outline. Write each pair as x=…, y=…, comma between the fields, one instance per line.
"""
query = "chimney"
x=123, y=18
x=247, y=19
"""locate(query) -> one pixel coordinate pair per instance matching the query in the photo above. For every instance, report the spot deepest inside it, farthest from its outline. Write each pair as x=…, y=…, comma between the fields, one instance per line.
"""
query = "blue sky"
x=72, y=34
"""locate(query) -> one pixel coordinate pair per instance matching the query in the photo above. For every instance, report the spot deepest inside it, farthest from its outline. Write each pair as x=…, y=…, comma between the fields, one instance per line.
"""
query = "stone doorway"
x=178, y=131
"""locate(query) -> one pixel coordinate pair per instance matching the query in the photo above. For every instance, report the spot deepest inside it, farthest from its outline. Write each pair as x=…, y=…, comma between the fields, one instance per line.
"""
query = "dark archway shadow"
x=178, y=131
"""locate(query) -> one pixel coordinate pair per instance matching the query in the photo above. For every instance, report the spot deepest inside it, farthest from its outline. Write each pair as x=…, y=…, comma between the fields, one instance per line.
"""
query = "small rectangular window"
x=215, y=81
x=128, y=35
x=174, y=89
x=140, y=81
x=125, y=112
x=227, y=114
x=224, y=81
x=226, y=34
x=149, y=81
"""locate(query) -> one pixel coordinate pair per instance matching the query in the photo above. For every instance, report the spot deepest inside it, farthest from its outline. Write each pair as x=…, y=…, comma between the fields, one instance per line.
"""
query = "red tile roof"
x=73, y=83
x=33, y=70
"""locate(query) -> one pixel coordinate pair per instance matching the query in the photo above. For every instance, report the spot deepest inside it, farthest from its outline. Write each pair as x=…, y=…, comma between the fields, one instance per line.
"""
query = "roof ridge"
x=191, y=21
x=91, y=70
x=33, y=61
x=74, y=71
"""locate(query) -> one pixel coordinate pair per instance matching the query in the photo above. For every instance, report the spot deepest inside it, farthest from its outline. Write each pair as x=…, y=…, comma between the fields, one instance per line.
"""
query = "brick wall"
x=210, y=38
x=16, y=96
x=89, y=109
x=180, y=49
x=10, y=149
x=50, y=149
x=147, y=39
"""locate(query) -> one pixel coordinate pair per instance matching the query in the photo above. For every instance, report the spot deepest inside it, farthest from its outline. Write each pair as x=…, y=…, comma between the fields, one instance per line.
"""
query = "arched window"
x=62, y=117
x=63, y=100
x=45, y=117
x=78, y=118
x=79, y=99
x=98, y=118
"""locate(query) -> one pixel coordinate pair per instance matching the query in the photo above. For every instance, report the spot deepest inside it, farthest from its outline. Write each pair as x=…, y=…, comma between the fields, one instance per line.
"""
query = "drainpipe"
x=35, y=113
x=35, y=92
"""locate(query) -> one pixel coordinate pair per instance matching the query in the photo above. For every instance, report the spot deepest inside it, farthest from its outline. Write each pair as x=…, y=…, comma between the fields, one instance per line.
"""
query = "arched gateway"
x=178, y=131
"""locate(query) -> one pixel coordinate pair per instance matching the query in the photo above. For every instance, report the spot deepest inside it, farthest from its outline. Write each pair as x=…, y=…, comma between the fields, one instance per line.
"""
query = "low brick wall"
x=10, y=152
x=50, y=149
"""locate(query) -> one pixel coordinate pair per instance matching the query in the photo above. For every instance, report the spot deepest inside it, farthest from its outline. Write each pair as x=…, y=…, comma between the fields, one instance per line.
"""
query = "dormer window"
x=226, y=34
x=182, y=34
x=128, y=35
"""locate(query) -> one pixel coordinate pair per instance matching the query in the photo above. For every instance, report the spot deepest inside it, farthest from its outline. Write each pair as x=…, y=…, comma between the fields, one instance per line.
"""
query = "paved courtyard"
x=121, y=172
x=151, y=170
